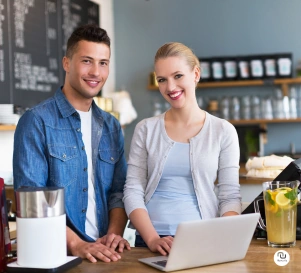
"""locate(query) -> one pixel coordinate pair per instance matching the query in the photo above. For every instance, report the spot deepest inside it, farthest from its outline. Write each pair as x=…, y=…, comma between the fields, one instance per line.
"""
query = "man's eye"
x=86, y=61
x=178, y=76
x=103, y=63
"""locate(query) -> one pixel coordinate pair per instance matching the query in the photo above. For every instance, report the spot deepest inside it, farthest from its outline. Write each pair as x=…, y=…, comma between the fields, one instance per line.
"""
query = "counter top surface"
x=259, y=259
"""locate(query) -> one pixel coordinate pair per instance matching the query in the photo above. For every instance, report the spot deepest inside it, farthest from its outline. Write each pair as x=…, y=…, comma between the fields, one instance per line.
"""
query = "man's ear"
x=66, y=64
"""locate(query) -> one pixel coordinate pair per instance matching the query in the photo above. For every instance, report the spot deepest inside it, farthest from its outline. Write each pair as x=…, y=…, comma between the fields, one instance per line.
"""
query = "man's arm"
x=117, y=215
x=113, y=238
x=30, y=165
x=118, y=220
x=90, y=251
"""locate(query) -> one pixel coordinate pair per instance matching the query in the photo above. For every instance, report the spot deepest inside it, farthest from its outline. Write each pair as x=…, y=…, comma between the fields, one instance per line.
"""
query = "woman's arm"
x=140, y=219
x=228, y=174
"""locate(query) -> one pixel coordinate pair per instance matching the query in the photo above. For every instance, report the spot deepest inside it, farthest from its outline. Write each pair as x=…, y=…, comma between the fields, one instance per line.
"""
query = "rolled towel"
x=272, y=162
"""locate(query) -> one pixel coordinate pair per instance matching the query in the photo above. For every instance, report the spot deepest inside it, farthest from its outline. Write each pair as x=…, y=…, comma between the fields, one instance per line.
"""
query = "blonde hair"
x=175, y=49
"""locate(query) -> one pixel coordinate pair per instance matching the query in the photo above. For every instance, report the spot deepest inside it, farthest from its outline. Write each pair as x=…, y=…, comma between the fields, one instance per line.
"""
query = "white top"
x=91, y=220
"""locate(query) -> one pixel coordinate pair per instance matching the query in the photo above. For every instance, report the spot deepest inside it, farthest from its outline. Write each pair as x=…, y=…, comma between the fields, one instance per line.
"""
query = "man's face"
x=86, y=71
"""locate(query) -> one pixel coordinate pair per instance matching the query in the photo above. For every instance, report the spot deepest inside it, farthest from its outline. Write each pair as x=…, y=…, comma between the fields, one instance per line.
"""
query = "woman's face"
x=177, y=81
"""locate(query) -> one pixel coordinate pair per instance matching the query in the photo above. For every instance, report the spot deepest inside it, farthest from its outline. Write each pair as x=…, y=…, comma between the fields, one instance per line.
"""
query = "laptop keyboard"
x=161, y=263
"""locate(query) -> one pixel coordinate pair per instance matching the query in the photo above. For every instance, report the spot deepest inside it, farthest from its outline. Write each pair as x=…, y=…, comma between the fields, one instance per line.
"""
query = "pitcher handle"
x=256, y=208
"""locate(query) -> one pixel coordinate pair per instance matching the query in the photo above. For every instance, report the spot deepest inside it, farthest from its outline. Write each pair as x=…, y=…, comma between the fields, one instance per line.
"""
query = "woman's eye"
x=178, y=76
x=160, y=80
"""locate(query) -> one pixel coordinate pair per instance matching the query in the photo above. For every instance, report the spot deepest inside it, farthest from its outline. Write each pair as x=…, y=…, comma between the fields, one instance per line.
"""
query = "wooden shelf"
x=7, y=127
x=262, y=121
x=269, y=82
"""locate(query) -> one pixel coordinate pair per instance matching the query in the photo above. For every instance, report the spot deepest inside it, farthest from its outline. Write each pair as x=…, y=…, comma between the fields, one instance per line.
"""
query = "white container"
x=41, y=242
x=41, y=227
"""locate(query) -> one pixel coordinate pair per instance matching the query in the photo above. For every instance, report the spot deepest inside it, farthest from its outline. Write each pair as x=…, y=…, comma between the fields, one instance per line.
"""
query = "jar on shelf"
x=225, y=108
x=245, y=107
x=235, y=108
x=267, y=108
x=278, y=104
x=213, y=108
x=206, y=71
x=284, y=65
x=270, y=67
x=255, y=107
x=298, y=95
x=157, y=108
x=243, y=68
x=257, y=68
x=230, y=68
x=217, y=69
x=293, y=102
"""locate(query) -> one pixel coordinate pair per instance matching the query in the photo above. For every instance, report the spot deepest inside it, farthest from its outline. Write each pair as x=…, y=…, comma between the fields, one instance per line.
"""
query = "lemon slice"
x=284, y=189
x=272, y=208
x=281, y=200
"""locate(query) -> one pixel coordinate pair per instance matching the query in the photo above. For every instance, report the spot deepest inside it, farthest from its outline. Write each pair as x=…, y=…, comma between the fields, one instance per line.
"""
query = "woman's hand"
x=230, y=213
x=161, y=245
x=115, y=242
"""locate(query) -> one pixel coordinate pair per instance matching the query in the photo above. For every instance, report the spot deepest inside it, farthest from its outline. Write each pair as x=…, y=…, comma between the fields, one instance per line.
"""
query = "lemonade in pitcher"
x=281, y=215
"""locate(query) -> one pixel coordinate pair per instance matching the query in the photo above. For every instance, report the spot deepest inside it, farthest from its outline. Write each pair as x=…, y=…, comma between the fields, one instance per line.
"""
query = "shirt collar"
x=63, y=104
x=67, y=109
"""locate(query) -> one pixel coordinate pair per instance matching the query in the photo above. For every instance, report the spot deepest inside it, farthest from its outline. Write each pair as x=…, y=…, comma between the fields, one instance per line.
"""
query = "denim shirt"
x=49, y=151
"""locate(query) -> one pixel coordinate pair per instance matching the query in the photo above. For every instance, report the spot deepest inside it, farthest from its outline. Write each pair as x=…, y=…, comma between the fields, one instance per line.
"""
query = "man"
x=67, y=141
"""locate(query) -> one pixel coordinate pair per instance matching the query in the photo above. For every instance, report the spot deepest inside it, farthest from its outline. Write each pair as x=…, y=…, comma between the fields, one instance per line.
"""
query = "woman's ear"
x=197, y=72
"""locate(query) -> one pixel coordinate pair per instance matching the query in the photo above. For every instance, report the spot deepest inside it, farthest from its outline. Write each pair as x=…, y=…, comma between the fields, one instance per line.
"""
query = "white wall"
x=6, y=151
x=107, y=22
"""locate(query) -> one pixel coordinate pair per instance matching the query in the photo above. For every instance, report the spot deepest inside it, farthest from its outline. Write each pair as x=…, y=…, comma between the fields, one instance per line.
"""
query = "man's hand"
x=94, y=251
x=161, y=245
x=114, y=242
x=90, y=251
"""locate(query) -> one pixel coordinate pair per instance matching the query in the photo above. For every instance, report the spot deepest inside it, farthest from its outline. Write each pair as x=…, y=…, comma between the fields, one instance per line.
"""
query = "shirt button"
x=78, y=129
x=83, y=148
x=112, y=158
x=83, y=210
x=64, y=156
x=85, y=189
x=85, y=169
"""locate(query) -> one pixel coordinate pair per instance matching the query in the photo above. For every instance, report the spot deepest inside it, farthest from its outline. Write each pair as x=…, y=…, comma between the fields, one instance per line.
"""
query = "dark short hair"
x=90, y=33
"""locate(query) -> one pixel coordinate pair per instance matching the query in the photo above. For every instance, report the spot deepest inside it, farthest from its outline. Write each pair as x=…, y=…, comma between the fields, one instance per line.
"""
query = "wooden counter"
x=259, y=259
x=250, y=180
x=12, y=230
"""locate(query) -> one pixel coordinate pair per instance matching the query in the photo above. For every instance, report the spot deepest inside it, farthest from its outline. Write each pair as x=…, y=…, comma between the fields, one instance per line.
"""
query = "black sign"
x=33, y=37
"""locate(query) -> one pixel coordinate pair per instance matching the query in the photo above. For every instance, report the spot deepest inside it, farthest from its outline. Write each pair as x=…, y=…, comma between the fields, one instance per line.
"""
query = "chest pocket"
x=63, y=164
x=107, y=161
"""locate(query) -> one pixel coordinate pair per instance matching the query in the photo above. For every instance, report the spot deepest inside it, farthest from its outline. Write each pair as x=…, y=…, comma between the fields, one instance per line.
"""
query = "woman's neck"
x=185, y=115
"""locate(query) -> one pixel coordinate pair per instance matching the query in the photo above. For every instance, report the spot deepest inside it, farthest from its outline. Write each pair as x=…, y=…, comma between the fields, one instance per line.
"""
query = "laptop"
x=207, y=242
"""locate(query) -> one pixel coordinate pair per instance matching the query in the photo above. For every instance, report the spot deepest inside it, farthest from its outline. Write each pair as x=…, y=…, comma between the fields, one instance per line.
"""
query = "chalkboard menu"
x=33, y=37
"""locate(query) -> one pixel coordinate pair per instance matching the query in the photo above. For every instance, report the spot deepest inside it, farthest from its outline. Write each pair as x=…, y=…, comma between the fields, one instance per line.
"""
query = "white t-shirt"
x=91, y=219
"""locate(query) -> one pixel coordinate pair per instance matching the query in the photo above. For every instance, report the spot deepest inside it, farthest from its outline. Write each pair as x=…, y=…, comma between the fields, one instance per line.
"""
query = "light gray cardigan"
x=214, y=153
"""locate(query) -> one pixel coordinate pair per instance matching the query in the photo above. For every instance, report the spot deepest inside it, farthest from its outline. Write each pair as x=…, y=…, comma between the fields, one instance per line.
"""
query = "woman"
x=176, y=157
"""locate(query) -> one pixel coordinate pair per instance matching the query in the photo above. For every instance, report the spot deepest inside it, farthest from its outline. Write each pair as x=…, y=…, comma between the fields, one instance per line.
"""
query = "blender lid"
x=40, y=202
